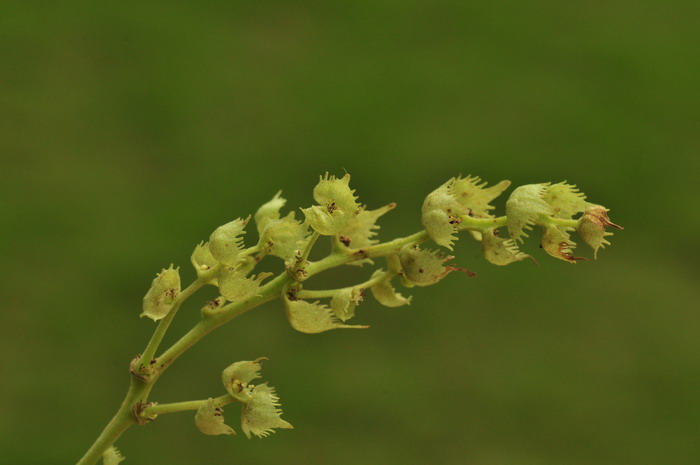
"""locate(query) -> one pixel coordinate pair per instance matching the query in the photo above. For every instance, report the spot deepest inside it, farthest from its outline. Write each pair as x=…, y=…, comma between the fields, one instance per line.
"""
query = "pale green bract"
x=226, y=241
x=423, y=267
x=160, y=298
x=262, y=413
x=269, y=211
x=337, y=205
x=112, y=456
x=283, y=237
x=313, y=317
x=235, y=286
x=344, y=301
x=592, y=228
x=386, y=295
x=523, y=209
x=202, y=259
x=500, y=251
x=209, y=419
x=361, y=229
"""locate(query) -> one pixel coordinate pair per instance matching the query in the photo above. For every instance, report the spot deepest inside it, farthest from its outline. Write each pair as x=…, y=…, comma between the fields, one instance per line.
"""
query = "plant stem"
x=319, y=294
x=481, y=224
x=122, y=420
x=174, y=407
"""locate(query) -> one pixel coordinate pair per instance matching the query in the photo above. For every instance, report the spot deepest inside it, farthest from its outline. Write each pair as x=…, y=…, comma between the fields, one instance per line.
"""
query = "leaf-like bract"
x=269, y=211
x=500, y=251
x=226, y=241
x=325, y=221
x=471, y=192
x=362, y=228
x=261, y=414
x=112, y=456
x=160, y=298
x=209, y=419
x=386, y=295
x=235, y=286
x=557, y=243
x=592, y=227
x=202, y=259
x=565, y=199
x=331, y=191
x=344, y=302
x=282, y=237
x=313, y=318
x=423, y=267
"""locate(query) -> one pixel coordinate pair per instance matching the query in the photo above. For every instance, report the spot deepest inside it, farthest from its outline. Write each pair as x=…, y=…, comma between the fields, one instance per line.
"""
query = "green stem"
x=564, y=222
x=481, y=224
x=174, y=407
x=320, y=294
x=121, y=421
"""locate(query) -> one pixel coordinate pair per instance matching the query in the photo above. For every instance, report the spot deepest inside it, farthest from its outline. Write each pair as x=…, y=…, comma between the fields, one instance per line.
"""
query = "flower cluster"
x=460, y=204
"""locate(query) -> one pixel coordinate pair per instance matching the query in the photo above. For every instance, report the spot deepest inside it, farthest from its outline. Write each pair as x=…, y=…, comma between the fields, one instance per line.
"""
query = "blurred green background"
x=130, y=130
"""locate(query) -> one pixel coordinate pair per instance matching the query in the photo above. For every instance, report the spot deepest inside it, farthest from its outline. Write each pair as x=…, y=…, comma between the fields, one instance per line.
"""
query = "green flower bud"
x=336, y=192
x=236, y=287
x=592, y=226
x=237, y=377
x=500, y=251
x=269, y=211
x=386, y=295
x=459, y=196
x=337, y=205
x=440, y=215
x=209, y=419
x=523, y=208
x=313, y=318
x=557, y=243
x=160, y=298
x=262, y=413
x=344, y=302
x=202, y=259
x=283, y=237
x=112, y=456
x=226, y=242
x=423, y=267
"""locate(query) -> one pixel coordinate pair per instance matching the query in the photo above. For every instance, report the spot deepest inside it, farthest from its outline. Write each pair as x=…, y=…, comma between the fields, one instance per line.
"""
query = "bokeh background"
x=130, y=130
